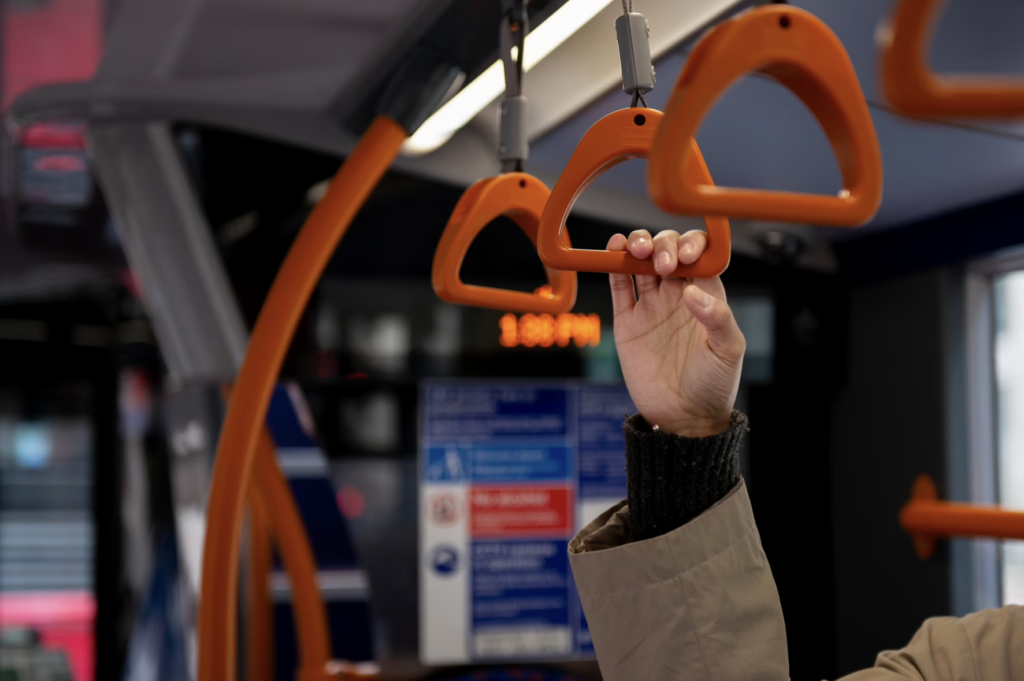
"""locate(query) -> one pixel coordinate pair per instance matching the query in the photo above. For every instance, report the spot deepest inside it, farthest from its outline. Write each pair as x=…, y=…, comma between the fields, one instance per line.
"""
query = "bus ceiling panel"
x=273, y=67
x=294, y=54
x=189, y=61
x=229, y=59
x=292, y=70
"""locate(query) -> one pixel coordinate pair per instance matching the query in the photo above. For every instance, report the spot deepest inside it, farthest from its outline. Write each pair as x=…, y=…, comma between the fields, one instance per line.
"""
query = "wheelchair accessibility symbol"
x=444, y=560
x=445, y=465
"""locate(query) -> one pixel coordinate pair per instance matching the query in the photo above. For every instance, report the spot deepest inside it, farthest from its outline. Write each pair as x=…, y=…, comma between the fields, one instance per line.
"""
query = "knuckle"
x=692, y=241
x=620, y=285
x=738, y=348
x=737, y=342
x=738, y=339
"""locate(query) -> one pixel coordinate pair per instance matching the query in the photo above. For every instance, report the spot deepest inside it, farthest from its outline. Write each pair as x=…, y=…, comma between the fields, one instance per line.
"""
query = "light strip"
x=489, y=85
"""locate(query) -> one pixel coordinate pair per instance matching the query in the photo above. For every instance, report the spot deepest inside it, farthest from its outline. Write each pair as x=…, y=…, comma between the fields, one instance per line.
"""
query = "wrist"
x=695, y=427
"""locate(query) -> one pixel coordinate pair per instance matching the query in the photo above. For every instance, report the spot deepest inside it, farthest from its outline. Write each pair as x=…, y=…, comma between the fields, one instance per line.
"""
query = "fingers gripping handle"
x=522, y=198
x=617, y=137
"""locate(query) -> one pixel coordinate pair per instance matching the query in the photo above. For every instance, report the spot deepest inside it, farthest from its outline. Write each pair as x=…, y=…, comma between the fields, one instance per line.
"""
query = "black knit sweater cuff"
x=674, y=479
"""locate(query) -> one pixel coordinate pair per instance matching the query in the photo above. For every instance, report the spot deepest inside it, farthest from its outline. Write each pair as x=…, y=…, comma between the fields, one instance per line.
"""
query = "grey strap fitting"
x=513, y=147
x=633, y=34
x=512, y=144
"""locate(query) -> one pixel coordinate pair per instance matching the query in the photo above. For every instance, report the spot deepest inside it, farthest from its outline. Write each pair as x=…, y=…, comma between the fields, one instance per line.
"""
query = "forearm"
x=673, y=479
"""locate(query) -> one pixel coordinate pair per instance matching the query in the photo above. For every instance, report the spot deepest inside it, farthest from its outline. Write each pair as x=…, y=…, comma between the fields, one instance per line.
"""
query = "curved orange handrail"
x=274, y=515
x=799, y=51
x=926, y=518
x=312, y=630
x=913, y=89
x=250, y=399
x=259, y=643
x=522, y=198
x=620, y=136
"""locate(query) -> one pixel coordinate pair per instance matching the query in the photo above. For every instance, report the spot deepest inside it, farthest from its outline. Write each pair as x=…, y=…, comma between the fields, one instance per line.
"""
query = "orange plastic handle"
x=799, y=51
x=926, y=517
x=522, y=198
x=620, y=136
x=913, y=89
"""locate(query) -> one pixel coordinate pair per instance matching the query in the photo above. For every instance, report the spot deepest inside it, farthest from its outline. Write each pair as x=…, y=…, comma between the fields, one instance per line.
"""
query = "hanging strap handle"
x=522, y=198
x=913, y=89
x=799, y=51
x=618, y=137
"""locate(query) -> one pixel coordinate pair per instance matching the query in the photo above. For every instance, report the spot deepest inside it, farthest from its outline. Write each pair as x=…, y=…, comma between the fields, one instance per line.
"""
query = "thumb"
x=724, y=335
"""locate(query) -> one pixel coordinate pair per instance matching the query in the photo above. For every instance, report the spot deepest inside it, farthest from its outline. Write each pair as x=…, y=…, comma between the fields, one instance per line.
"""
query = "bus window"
x=1009, y=389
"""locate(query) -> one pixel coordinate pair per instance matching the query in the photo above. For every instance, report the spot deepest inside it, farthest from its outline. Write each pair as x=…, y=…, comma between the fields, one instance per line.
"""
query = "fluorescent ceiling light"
x=488, y=86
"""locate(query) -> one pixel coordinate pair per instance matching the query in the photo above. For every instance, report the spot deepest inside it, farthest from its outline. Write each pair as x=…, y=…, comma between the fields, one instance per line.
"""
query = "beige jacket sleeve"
x=984, y=646
x=700, y=604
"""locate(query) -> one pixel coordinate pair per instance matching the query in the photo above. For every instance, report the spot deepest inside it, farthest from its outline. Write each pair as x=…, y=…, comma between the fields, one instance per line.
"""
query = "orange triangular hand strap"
x=520, y=197
x=914, y=90
x=617, y=137
x=798, y=50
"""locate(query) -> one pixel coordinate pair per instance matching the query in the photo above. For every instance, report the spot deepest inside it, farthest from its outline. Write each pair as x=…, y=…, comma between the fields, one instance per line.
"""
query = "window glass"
x=1009, y=352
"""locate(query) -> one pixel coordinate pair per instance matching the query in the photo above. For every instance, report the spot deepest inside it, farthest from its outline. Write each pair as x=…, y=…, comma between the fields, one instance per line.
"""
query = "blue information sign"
x=509, y=472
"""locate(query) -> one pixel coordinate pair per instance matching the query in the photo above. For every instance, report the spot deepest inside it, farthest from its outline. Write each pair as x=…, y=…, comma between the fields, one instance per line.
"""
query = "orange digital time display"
x=544, y=330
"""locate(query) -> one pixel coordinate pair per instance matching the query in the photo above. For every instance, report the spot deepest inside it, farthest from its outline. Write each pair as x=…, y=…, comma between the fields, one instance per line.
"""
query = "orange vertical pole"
x=259, y=653
x=275, y=516
x=289, y=534
x=271, y=337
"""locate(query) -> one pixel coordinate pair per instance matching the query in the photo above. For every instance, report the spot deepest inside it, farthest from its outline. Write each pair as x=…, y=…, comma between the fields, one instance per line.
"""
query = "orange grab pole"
x=297, y=554
x=522, y=198
x=913, y=89
x=268, y=345
x=926, y=517
x=618, y=137
x=275, y=515
x=799, y=51
x=259, y=653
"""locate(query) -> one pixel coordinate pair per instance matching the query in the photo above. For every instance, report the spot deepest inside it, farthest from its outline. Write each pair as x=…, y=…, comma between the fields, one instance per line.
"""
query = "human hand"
x=680, y=349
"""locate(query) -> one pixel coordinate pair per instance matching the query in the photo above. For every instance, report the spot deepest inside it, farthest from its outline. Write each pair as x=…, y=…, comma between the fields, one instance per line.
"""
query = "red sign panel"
x=521, y=510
